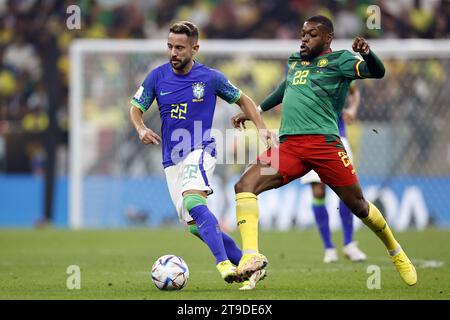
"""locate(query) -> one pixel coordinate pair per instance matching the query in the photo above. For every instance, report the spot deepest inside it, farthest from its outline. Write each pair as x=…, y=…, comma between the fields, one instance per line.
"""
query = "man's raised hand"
x=361, y=45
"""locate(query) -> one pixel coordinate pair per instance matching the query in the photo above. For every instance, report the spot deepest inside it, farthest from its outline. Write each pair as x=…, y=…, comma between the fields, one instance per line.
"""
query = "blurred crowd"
x=26, y=24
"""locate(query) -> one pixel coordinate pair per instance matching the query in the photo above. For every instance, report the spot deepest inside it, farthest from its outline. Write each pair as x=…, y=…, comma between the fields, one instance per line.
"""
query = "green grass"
x=115, y=264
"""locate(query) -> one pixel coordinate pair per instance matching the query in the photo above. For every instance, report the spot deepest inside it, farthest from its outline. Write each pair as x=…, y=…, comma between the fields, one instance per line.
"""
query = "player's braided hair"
x=185, y=27
x=324, y=21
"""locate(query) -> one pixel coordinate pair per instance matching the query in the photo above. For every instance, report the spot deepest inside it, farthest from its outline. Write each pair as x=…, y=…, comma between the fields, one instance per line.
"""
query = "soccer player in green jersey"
x=313, y=96
x=319, y=208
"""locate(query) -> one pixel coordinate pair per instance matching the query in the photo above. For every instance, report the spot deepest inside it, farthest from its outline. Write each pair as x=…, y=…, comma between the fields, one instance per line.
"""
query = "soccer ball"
x=170, y=272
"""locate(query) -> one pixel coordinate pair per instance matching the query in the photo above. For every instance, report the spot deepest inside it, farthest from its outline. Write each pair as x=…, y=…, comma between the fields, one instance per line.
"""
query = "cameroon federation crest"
x=198, y=90
x=322, y=62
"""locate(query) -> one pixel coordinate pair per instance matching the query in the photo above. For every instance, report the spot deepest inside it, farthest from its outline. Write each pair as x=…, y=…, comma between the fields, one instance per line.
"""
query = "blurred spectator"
x=24, y=23
x=347, y=23
x=22, y=56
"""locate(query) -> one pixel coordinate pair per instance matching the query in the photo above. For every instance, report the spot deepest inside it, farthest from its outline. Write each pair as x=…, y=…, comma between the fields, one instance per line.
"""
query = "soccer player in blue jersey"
x=186, y=93
x=350, y=250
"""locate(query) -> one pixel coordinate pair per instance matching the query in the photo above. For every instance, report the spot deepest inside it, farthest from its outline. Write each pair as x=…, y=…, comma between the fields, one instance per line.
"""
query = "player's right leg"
x=247, y=215
x=274, y=168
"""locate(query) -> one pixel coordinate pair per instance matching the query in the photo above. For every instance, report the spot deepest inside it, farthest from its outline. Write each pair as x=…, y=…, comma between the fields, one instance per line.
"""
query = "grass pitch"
x=115, y=264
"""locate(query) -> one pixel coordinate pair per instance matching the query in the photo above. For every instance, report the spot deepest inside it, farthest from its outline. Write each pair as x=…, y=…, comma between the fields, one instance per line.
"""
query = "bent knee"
x=244, y=185
x=318, y=190
x=360, y=208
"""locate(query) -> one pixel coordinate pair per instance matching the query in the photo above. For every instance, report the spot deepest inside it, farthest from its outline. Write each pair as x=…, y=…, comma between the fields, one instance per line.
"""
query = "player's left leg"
x=335, y=169
x=209, y=231
x=370, y=215
x=196, y=171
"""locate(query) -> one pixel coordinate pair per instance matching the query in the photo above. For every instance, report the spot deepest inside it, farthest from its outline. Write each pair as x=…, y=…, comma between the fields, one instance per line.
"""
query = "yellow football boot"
x=250, y=263
x=405, y=268
x=257, y=276
x=227, y=271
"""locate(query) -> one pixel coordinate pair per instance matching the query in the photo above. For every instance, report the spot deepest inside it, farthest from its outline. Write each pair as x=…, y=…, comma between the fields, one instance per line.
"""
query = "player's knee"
x=359, y=207
x=244, y=185
x=318, y=190
x=191, y=201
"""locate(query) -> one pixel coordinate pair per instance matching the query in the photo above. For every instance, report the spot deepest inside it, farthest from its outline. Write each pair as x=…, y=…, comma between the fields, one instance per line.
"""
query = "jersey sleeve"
x=349, y=65
x=146, y=93
x=275, y=98
x=225, y=89
x=354, y=67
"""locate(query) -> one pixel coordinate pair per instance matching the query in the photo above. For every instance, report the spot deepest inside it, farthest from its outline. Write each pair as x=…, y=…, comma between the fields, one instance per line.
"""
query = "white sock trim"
x=396, y=251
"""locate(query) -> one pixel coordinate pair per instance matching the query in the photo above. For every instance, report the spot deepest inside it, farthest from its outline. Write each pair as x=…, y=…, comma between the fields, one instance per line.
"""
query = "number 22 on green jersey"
x=300, y=77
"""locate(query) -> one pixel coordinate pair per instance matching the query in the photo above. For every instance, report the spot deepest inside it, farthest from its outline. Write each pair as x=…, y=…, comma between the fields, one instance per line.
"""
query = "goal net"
x=400, y=141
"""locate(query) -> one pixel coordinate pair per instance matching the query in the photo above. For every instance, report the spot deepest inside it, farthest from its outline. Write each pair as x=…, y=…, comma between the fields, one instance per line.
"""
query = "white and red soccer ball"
x=170, y=272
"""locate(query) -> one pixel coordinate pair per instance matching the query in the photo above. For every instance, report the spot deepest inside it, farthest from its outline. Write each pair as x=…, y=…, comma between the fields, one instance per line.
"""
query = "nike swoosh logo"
x=201, y=225
x=162, y=93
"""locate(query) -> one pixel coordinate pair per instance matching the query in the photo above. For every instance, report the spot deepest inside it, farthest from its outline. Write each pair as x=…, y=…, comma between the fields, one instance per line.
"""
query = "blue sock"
x=234, y=254
x=321, y=215
x=347, y=222
x=209, y=230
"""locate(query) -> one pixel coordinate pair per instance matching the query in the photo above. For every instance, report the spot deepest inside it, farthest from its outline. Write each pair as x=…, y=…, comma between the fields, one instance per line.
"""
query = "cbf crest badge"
x=198, y=90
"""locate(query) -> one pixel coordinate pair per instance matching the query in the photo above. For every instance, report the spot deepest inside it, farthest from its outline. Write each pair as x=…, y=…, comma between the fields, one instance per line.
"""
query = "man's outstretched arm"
x=251, y=112
x=373, y=66
x=275, y=98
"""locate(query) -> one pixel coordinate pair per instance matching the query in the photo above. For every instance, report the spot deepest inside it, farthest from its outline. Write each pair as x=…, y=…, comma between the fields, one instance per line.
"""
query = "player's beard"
x=180, y=64
x=313, y=52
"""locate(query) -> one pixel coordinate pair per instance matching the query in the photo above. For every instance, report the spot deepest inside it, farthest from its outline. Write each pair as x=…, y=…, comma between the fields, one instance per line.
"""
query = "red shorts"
x=299, y=154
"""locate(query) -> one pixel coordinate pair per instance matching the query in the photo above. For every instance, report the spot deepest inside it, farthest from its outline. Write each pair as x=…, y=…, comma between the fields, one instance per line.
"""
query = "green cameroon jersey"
x=315, y=92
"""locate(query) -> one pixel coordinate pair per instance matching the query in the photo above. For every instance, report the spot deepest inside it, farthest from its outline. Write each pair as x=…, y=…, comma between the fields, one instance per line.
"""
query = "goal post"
x=399, y=140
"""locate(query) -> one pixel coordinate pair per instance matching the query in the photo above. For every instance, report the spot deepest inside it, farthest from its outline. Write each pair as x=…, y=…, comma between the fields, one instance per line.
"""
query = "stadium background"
x=400, y=140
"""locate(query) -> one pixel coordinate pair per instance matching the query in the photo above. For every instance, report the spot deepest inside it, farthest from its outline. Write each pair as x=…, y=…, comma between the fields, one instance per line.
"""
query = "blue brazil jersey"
x=186, y=107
